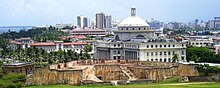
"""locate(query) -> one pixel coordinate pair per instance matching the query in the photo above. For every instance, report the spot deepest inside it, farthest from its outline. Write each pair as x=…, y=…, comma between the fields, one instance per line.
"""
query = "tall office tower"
x=82, y=21
x=100, y=17
x=108, y=21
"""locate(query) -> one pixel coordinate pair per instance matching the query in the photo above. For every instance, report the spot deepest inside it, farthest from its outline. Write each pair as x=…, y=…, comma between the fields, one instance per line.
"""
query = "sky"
x=51, y=12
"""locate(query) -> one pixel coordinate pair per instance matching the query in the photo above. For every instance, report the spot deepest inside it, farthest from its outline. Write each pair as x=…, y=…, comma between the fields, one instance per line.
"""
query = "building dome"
x=133, y=21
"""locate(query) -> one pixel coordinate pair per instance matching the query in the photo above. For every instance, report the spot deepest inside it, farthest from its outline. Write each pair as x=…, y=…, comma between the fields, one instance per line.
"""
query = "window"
x=156, y=46
x=147, y=46
x=182, y=45
x=119, y=57
x=114, y=57
x=155, y=53
x=152, y=59
x=182, y=52
x=160, y=53
x=164, y=46
x=152, y=46
x=173, y=45
x=168, y=52
x=147, y=54
x=152, y=53
x=182, y=58
x=118, y=45
x=114, y=52
x=118, y=52
x=165, y=60
x=114, y=45
x=165, y=53
x=160, y=60
x=160, y=46
x=173, y=52
x=169, y=60
x=169, y=45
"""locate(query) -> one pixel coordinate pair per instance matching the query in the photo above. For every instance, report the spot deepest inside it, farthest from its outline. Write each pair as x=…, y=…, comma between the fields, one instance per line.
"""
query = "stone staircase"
x=91, y=74
x=130, y=75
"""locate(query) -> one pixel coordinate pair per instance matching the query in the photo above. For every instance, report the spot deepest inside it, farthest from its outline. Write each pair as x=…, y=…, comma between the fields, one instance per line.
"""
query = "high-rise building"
x=82, y=21
x=196, y=23
x=100, y=17
x=214, y=23
x=108, y=21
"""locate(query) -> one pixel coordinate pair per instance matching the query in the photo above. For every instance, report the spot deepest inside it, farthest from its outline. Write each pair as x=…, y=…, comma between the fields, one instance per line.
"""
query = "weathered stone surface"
x=75, y=72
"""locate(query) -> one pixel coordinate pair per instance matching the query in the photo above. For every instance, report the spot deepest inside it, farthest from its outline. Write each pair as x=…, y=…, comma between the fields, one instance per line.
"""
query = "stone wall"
x=213, y=78
x=45, y=76
x=109, y=72
x=160, y=73
x=75, y=72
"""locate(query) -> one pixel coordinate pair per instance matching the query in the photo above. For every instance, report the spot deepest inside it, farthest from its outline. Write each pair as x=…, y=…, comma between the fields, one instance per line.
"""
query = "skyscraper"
x=82, y=21
x=100, y=17
x=108, y=21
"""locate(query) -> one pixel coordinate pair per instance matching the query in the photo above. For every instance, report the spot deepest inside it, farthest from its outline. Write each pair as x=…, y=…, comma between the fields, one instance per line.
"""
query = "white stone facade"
x=150, y=51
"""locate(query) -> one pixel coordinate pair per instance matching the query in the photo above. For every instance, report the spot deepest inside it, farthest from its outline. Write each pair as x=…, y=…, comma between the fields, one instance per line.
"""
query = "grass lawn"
x=169, y=83
x=153, y=85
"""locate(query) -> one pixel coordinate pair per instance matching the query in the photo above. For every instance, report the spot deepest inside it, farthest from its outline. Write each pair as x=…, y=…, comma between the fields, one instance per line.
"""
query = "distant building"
x=108, y=21
x=97, y=32
x=155, y=24
x=82, y=21
x=48, y=46
x=100, y=17
x=214, y=23
x=173, y=25
x=62, y=25
x=18, y=67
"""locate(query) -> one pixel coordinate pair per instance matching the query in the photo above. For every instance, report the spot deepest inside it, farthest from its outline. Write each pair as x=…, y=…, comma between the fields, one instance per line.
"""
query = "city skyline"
x=50, y=12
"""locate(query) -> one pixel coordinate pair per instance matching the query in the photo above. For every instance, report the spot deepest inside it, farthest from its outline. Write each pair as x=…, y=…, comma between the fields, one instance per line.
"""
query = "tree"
x=201, y=54
x=175, y=58
x=88, y=48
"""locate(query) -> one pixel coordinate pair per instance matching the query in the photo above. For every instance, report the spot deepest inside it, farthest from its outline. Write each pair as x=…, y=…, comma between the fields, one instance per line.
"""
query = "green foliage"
x=12, y=80
x=41, y=58
x=88, y=37
x=147, y=85
x=175, y=58
x=3, y=42
x=39, y=34
x=1, y=63
x=108, y=35
x=87, y=48
x=202, y=54
x=171, y=80
x=206, y=70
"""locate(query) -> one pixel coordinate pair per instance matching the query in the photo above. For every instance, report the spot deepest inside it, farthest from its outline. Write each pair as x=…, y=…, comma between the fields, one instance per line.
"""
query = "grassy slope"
x=152, y=85
x=210, y=85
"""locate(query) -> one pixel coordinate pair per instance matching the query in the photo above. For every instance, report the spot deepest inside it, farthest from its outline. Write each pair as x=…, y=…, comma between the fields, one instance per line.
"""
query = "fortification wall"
x=160, y=73
x=45, y=76
x=109, y=72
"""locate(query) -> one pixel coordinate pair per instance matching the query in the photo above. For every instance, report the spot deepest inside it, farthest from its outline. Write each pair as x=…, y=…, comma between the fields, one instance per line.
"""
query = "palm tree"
x=175, y=58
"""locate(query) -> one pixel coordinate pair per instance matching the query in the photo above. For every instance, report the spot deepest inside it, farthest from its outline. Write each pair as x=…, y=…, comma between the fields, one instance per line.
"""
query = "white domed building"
x=134, y=40
x=133, y=27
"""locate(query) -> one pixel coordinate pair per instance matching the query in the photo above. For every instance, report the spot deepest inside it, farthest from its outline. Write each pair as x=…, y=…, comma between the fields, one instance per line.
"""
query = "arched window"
x=165, y=60
x=169, y=60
